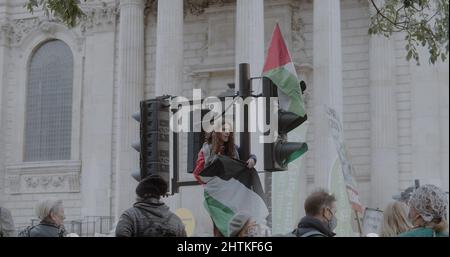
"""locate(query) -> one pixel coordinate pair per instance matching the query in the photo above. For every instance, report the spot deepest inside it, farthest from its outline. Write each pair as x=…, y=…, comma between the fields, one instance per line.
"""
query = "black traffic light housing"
x=154, y=145
x=278, y=154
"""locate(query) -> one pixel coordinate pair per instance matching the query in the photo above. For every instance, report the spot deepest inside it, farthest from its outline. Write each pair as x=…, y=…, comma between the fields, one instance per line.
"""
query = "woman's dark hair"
x=213, y=139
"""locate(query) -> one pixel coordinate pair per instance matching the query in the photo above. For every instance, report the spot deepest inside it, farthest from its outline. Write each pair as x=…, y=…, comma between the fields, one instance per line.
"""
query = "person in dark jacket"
x=51, y=214
x=320, y=219
x=149, y=217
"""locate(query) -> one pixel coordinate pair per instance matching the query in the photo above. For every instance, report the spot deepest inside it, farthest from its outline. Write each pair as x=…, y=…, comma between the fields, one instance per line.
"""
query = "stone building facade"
x=395, y=114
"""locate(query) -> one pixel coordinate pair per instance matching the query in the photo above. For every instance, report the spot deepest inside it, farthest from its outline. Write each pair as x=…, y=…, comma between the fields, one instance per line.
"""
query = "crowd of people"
x=424, y=214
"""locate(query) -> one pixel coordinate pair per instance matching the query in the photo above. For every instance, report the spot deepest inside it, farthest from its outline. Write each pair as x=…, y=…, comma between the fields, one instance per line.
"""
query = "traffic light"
x=155, y=138
x=278, y=154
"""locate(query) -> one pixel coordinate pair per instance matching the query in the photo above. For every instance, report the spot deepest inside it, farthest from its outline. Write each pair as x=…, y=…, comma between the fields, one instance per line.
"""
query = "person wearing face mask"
x=320, y=219
x=427, y=211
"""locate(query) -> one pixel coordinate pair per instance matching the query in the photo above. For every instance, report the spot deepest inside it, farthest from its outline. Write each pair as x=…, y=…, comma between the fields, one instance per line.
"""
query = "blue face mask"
x=332, y=223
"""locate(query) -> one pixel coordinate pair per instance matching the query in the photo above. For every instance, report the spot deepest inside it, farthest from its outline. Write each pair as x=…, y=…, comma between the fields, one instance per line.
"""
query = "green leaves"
x=67, y=10
x=425, y=23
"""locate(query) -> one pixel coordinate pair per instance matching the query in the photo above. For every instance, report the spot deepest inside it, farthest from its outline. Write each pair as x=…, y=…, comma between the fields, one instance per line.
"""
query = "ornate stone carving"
x=13, y=184
x=15, y=31
x=49, y=183
x=150, y=7
x=45, y=181
x=57, y=177
x=5, y=30
x=98, y=18
x=32, y=182
x=298, y=29
x=59, y=183
x=21, y=27
x=197, y=7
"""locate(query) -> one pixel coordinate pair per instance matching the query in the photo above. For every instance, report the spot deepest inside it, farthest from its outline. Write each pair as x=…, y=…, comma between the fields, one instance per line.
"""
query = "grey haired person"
x=51, y=214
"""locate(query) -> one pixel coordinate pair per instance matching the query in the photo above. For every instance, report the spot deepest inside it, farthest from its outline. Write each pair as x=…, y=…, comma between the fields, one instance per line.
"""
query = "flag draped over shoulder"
x=280, y=69
x=231, y=188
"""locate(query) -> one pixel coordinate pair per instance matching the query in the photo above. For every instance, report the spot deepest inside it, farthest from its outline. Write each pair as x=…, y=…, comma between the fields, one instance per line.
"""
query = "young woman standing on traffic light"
x=219, y=142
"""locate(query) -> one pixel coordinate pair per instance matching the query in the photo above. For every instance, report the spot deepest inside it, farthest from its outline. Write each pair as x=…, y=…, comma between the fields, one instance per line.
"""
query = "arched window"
x=48, y=122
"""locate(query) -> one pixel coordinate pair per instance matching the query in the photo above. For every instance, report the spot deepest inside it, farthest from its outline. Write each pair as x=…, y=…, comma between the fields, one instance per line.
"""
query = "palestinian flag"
x=231, y=189
x=280, y=69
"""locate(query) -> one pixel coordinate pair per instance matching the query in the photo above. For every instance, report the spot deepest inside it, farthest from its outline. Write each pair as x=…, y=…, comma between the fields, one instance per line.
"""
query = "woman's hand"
x=250, y=163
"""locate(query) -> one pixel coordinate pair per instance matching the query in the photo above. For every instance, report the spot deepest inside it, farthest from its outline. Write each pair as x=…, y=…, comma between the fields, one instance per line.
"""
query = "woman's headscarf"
x=430, y=202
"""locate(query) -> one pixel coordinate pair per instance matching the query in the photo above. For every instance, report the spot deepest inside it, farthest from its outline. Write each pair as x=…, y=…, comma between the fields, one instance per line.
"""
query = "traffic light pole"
x=244, y=92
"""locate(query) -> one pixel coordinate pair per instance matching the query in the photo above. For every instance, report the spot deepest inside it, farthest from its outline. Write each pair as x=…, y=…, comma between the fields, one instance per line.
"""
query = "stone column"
x=98, y=95
x=169, y=48
x=443, y=80
x=131, y=91
x=384, y=178
x=249, y=48
x=250, y=35
x=4, y=52
x=427, y=131
x=169, y=60
x=327, y=84
x=4, y=45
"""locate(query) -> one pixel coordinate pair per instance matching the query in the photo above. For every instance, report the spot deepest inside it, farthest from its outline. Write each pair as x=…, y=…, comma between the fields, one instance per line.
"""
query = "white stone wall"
x=404, y=115
x=22, y=204
x=115, y=125
x=355, y=57
x=23, y=184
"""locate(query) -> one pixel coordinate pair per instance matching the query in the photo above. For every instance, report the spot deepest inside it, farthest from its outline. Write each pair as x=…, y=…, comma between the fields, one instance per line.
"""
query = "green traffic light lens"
x=293, y=156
